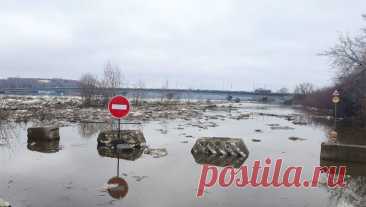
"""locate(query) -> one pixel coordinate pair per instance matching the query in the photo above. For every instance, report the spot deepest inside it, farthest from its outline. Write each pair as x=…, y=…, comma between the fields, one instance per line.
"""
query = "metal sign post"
x=335, y=101
x=119, y=107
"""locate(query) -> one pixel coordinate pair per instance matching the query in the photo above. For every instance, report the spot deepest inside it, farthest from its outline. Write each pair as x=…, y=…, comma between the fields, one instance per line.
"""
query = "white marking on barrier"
x=119, y=107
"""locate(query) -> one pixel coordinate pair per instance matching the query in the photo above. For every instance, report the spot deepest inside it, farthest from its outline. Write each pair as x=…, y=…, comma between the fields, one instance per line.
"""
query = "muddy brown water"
x=76, y=175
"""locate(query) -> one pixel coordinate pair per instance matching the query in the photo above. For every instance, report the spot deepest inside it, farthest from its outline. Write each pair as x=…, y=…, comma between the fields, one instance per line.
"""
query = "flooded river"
x=73, y=173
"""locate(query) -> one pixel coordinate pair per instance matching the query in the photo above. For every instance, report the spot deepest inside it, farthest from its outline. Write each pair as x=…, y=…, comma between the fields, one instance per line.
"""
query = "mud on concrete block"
x=132, y=138
x=220, y=151
x=43, y=133
x=343, y=152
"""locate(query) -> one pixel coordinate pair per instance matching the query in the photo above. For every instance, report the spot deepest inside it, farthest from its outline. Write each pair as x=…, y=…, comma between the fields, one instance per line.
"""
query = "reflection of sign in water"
x=118, y=187
x=119, y=107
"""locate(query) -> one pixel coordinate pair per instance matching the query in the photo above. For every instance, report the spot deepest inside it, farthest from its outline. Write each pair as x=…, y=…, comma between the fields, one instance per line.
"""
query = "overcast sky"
x=192, y=43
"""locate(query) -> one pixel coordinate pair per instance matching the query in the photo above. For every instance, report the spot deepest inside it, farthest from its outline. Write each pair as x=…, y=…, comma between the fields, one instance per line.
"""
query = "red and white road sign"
x=119, y=107
x=119, y=187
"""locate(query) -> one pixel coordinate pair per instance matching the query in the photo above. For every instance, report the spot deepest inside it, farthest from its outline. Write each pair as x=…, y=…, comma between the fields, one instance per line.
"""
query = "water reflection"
x=51, y=146
x=217, y=160
x=43, y=139
x=88, y=130
x=126, y=154
x=353, y=194
x=7, y=133
x=117, y=187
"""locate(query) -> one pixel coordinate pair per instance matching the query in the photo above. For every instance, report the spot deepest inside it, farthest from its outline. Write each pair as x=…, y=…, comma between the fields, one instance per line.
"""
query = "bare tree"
x=348, y=57
x=283, y=90
x=112, y=80
x=304, y=89
x=164, y=90
x=139, y=93
x=88, y=88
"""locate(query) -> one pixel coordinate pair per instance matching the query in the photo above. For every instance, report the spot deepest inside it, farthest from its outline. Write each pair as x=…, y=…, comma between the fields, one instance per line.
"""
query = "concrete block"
x=43, y=133
x=343, y=152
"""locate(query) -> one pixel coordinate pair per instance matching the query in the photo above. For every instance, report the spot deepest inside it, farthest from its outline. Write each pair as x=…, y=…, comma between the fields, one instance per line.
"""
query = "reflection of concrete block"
x=126, y=154
x=220, y=151
x=343, y=152
x=50, y=146
x=134, y=138
x=353, y=168
x=43, y=133
x=217, y=160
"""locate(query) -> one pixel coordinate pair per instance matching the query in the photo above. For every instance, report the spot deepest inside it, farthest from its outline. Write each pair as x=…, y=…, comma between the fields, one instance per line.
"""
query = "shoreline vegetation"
x=348, y=59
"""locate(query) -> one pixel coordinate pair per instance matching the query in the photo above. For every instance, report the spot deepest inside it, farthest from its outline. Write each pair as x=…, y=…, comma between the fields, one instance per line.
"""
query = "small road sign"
x=336, y=93
x=336, y=99
x=119, y=107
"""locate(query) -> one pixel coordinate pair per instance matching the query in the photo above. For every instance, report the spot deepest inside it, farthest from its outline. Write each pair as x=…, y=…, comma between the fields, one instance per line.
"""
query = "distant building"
x=37, y=83
x=262, y=91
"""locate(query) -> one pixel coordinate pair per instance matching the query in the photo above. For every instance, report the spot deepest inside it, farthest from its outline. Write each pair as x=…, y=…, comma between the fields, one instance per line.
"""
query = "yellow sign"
x=336, y=99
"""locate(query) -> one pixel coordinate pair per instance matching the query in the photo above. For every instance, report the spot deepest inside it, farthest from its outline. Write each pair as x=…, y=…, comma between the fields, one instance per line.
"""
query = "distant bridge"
x=157, y=93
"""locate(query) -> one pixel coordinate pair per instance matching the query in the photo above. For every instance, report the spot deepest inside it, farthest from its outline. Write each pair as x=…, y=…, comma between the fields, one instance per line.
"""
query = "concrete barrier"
x=343, y=152
x=352, y=168
x=126, y=144
x=221, y=146
x=43, y=133
x=220, y=151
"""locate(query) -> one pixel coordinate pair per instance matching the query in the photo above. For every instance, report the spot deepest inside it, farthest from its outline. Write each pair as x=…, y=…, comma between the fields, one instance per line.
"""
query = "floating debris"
x=296, y=139
x=243, y=116
x=258, y=130
x=4, y=203
x=139, y=178
x=273, y=125
x=256, y=140
x=281, y=128
x=163, y=131
x=156, y=153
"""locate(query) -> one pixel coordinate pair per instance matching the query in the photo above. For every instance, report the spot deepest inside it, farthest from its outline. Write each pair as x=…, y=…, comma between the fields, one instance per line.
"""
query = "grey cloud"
x=193, y=44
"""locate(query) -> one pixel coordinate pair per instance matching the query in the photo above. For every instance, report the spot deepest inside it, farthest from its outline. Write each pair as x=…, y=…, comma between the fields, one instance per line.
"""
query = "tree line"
x=95, y=91
x=348, y=59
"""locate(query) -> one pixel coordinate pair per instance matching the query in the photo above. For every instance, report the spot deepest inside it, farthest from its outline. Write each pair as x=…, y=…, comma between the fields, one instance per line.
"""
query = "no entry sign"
x=119, y=189
x=119, y=107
